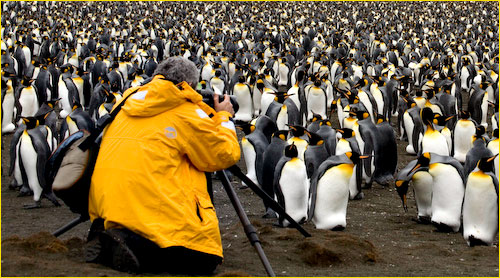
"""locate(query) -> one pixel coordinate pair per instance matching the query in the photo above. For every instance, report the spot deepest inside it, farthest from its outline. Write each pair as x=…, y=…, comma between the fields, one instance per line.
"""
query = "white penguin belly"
x=8, y=113
x=342, y=147
x=435, y=142
x=250, y=156
x=464, y=130
x=282, y=119
x=245, y=112
x=64, y=102
x=256, y=98
x=365, y=100
x=316, y=102
x=480, y=210
x=295, y=188
x=29, y=157
x=293, y=93
x=332, y=195
x=447, y=195
x=422, y=186
x=29, y=102
x=265, y=100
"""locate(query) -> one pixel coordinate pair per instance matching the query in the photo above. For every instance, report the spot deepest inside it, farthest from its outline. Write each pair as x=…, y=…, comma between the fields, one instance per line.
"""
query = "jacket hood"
x=158, y=96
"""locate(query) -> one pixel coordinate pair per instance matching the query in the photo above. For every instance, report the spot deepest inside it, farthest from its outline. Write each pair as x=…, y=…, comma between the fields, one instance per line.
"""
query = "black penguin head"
x=291, y=151
x=355, y=157
x=442, y=120
x=30, y=122
x=427, y=116
x=298, y=130
x=346, y=133
x=402, y=189
x=422, y=162
x=315, y=139
x=361, y=115
x=495, y=133
x=241, y=79
x=486, y=164
x=325, y=122
x=316, y=117
x=381, y=119
x=281, y=134
x=464, y=115
x=247, y=128
x=480, y=131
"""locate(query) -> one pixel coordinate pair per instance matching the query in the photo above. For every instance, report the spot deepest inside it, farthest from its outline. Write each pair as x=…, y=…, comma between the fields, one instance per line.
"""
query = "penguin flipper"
x=43, y=151
x=277, y=188
x=13, y=145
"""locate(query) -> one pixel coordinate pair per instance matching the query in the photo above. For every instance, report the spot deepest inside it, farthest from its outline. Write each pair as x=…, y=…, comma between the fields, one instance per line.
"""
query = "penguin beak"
x=492, y=158
x=405, y=206
x=415, y=168
x=451, y=117
x=365, y=156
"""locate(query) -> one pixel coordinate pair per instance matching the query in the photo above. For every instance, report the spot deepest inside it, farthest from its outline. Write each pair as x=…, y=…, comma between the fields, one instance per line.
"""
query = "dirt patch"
x=43, y=241
x=336, y=248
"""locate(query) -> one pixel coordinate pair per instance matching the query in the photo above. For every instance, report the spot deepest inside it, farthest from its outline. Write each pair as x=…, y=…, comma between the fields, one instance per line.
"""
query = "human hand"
x=225, y=105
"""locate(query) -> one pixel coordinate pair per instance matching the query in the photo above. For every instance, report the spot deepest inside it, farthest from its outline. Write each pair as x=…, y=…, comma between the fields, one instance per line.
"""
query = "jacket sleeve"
x=211, y=143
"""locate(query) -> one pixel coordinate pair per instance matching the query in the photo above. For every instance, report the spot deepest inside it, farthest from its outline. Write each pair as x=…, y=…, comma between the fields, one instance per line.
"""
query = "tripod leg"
x=70, y=225
x=273, y=204
x=247, y=226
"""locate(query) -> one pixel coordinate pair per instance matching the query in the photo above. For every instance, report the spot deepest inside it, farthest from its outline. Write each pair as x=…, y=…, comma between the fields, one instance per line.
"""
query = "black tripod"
x=235, y=201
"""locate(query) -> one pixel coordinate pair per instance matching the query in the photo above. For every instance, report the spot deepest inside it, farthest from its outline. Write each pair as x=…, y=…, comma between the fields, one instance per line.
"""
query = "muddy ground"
x=380, y=240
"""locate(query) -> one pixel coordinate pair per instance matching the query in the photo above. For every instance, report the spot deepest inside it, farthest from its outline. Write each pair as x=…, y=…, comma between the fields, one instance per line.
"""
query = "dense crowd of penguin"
x=295, y=68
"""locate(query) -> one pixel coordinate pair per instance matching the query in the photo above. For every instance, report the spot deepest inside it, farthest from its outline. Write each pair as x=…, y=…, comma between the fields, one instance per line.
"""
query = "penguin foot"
x=367, y=185
x=422, y=220
x=476, y=242
x=37, y=204
x=338, y=228
x=24, y=192
x=359, y=196
x=270, y=214
x=13, y=185
x=444, y=228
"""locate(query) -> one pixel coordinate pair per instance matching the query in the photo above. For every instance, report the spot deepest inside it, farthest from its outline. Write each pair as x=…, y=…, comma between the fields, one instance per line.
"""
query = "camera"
x=209, y=100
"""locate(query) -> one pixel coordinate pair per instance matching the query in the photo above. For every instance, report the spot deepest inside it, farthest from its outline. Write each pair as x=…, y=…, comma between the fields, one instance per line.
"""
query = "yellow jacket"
x=149, y=175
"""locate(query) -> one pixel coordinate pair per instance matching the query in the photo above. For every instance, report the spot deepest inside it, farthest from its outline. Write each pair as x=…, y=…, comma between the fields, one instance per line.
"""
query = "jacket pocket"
x=204, y=209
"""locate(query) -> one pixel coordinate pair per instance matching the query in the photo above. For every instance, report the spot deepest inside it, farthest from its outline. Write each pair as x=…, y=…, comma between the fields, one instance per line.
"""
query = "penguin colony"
x=377, y=70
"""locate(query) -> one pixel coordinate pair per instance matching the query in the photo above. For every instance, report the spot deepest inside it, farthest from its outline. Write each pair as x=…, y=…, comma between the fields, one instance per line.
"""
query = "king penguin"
x=273, y=153
x=480, y=209
x=422, y=189
x=330, y=191
x=447, y=190
x=291, y=186
x=243, y=94
x=463, y=132
x=32, y=152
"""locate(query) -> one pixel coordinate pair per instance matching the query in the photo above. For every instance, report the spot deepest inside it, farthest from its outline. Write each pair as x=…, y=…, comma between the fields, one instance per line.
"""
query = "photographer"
x=148, y=202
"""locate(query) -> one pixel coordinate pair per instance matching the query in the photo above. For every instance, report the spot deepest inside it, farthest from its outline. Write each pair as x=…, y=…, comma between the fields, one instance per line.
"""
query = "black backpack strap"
x=102, y=123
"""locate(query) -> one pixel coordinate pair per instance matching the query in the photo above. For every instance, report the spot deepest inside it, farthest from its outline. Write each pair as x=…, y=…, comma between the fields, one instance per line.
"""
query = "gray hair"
x=177, y=69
